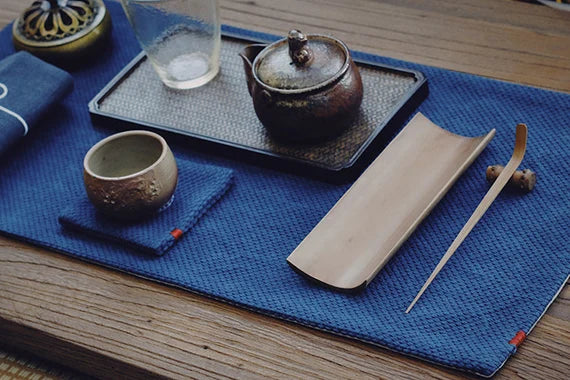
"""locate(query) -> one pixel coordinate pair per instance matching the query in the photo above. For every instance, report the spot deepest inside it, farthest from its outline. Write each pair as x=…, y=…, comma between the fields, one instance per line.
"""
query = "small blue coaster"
x=199, y=188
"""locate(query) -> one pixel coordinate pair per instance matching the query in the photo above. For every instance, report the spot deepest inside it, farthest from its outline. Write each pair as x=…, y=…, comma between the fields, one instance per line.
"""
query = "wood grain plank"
x=111, y=325
x=498, y=50
x=523, y=15
x=105, y=323
x=168, y=331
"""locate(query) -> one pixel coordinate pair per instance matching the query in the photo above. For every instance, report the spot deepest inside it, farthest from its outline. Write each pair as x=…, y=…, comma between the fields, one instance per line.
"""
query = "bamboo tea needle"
x=500, y=182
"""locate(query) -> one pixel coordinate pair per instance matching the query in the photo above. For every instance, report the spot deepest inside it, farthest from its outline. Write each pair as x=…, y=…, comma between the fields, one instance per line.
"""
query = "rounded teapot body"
x=305, y=88
x=311, y=115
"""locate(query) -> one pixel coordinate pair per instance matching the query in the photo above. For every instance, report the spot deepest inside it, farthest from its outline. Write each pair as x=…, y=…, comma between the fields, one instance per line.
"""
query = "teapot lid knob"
x=298, y=49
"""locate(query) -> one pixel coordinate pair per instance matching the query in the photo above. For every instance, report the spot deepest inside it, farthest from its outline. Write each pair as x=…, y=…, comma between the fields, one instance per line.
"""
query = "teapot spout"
x=248, y=56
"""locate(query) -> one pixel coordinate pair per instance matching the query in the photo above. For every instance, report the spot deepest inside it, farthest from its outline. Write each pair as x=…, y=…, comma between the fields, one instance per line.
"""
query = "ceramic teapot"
x=304, y=87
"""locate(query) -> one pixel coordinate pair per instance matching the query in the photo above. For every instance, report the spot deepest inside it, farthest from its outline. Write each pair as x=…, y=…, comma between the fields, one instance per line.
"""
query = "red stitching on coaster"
x=518, y=338
x=176, y=233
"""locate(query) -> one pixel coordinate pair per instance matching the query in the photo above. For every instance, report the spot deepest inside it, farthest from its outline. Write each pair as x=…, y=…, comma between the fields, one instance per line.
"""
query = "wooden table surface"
x=109, y=324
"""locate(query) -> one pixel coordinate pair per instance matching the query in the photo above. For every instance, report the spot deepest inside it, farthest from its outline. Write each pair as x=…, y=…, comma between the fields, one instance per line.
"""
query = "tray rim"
x=407, y=103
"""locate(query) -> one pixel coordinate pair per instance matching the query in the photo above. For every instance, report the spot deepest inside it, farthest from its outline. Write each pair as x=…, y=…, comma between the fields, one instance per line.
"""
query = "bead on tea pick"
x=522, y=179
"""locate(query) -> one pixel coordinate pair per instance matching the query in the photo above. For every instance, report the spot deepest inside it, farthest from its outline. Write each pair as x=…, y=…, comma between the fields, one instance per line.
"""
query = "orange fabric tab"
x=518, y=338
x=177, y=233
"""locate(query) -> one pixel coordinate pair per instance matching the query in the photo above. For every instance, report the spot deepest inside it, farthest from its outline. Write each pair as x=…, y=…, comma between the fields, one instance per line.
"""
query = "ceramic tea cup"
x=130, y=175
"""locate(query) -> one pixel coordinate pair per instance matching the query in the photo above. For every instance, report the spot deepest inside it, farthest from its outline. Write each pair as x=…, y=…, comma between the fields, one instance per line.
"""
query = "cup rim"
x=119, y=135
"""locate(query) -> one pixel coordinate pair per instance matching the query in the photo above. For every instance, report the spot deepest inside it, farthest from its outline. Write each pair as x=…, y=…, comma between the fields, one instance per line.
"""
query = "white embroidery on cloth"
x=3, y=93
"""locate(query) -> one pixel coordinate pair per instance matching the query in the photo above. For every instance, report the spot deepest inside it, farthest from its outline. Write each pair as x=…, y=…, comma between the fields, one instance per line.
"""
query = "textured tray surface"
x=223, y=109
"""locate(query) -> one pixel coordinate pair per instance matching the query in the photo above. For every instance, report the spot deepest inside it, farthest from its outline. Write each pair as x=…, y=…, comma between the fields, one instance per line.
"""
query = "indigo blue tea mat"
x=499, y=282
x=199, y=188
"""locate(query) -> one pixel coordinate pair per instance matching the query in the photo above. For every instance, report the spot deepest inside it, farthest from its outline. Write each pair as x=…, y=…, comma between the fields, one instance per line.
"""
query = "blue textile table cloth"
x=199, y=188
x=29, y=87
x=498, y=283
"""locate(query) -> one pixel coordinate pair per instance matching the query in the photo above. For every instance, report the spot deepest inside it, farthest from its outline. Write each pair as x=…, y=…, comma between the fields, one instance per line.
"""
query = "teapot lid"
x=301, y=61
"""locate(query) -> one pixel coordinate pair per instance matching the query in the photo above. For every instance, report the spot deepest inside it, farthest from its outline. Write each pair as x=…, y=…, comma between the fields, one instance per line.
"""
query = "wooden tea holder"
x=384, y=206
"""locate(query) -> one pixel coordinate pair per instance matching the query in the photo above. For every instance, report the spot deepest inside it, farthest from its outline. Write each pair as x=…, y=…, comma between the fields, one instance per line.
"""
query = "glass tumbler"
x=180, y=37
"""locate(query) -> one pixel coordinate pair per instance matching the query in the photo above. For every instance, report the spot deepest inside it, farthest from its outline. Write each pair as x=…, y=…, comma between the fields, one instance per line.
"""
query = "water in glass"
x=180, y=37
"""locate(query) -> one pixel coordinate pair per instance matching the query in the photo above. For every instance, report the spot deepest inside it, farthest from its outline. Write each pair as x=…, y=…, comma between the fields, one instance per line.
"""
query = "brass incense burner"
x=62, y=31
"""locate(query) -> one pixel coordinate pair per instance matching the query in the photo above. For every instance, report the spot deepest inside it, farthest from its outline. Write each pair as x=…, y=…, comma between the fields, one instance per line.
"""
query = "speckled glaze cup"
x=130, y=175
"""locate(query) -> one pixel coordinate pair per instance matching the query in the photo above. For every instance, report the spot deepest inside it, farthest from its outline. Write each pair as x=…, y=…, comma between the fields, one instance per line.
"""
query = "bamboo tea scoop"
x=500, y=182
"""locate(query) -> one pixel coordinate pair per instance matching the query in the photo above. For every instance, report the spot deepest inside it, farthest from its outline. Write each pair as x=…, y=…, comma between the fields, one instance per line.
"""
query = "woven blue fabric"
x=199, y=188
x=28, y=88
x=499, y=281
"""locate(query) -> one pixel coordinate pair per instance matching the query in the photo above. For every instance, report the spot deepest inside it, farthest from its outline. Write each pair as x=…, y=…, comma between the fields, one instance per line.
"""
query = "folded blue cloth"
x=199, y=187
x=28, y=88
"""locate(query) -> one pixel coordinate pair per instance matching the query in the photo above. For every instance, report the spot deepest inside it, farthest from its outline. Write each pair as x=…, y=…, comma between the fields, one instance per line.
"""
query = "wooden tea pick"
x=500, y=182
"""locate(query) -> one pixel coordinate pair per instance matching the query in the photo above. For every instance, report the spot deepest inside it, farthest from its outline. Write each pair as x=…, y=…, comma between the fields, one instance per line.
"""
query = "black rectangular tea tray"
x=219, y=117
